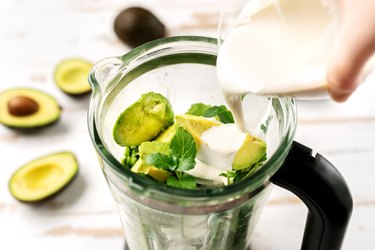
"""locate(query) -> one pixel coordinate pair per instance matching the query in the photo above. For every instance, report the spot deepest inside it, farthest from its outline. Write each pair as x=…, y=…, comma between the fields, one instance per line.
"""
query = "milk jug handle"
x=324, y=191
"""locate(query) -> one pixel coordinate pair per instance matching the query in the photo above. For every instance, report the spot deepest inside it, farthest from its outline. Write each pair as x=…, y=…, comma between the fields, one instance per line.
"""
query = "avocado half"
x=43, y=177
x=25, y=108
x=71, y=76
x=143, y=120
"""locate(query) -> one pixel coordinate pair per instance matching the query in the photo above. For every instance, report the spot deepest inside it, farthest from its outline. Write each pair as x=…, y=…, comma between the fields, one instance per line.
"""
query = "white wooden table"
x=36, y=35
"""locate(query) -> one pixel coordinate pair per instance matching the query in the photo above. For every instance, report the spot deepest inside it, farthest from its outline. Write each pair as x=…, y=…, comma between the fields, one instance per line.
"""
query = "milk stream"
x=278, y=48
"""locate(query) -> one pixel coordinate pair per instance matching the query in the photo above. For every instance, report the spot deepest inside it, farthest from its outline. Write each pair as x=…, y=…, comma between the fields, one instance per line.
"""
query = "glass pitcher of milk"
x=279, y=47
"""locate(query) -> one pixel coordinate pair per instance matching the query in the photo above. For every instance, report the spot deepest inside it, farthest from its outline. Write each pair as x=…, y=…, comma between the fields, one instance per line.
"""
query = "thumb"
x=354, y=45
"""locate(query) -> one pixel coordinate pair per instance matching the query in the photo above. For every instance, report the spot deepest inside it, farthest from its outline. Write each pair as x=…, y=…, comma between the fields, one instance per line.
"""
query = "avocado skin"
x=29, y=128
x=57, y=191
x=135, y=26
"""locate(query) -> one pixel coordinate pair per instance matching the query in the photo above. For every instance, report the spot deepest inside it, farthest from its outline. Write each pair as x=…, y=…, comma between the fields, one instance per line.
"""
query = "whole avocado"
x=136, y=25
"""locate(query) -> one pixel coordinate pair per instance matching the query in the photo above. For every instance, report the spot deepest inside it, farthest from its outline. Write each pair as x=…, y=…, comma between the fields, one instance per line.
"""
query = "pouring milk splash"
x=278, y=47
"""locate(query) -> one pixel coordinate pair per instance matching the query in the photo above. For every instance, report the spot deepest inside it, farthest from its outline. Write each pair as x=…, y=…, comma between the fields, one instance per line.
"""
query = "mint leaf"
x=198, y=109
x=179, y=157
x=162, y=161
x=185, y=181
x=183, y=145
x=186, y=164
x=221, y=112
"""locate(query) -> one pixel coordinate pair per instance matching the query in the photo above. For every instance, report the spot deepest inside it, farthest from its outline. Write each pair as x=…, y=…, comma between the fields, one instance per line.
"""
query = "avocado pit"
x=22, y=106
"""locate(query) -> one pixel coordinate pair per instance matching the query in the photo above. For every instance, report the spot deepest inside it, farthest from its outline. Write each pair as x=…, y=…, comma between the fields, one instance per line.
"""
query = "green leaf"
x=230, y=175
x=223, y=114
x=186, y=164
x=185, y=181
x=162, y=161
x=131, y=155
x=198, y=109
x=183, y=145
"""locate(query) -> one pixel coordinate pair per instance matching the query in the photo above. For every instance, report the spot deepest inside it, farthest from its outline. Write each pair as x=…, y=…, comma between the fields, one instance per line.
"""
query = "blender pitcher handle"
x=324, y=191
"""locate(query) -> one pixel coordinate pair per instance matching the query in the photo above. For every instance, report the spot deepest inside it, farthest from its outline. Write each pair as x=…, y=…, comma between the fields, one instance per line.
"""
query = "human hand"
x=354, y=45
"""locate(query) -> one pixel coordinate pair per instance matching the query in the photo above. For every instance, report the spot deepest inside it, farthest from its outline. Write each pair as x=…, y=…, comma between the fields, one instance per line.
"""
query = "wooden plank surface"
x=36, y=35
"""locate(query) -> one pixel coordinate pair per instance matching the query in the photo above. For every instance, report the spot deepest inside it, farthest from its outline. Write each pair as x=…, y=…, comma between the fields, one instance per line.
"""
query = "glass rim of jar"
x=201, y=45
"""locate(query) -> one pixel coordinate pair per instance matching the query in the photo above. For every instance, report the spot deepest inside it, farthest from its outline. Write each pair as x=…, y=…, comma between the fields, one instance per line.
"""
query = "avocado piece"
x=167, y=135
x=143, y=120
x=252, y=150
x=145, y=149
x=136, y=25
x=161, y=145
x=71, y=76
x=195, y=125
x=44, y=177
x=25, y=108
x=156, y=173
x=151, y=147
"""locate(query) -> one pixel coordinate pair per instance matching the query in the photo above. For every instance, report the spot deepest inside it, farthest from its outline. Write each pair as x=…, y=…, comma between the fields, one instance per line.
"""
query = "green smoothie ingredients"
x=43, y=177
x=200, y=149
x=25, y=108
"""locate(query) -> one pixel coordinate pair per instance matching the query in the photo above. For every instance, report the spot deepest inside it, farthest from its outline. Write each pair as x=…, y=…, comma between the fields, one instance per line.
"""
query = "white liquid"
x=217, y=151
x=279, y=47
x=220, y=144
x=208, y=172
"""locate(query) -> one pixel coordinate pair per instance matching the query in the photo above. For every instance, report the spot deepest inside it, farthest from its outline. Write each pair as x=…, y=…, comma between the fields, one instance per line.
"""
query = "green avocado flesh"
x=147, y=148
x=43, y=177
x=46, y=112
x=143, y=120
x=71, y=76
x=251, y=151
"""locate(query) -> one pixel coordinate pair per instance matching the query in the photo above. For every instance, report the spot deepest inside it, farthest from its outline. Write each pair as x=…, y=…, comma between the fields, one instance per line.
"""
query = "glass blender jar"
x=155, y=216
